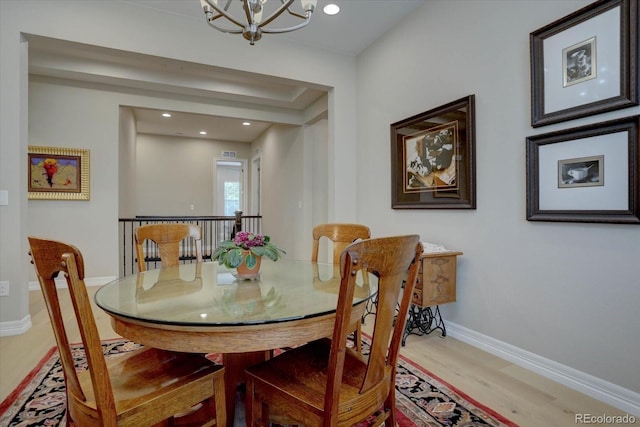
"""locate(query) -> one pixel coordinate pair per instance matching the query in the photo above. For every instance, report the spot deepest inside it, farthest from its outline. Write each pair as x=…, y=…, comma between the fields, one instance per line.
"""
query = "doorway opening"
x=229, y=187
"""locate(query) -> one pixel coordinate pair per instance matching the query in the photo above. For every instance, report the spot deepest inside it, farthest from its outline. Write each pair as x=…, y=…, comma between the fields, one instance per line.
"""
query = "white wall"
x=567, y=292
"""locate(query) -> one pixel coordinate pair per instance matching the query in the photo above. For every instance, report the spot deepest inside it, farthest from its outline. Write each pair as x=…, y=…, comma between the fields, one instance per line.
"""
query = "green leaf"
x=230, y=255
x=218, y=254
x=250, y=260
x=233, y=258
x=258, y=250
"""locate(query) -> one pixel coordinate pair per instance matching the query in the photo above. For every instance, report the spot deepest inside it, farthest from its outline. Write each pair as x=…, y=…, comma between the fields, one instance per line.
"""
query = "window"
x=231, y=197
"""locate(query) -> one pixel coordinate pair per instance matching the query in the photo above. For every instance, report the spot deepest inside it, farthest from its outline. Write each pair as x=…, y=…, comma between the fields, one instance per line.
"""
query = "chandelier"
x=252, y=24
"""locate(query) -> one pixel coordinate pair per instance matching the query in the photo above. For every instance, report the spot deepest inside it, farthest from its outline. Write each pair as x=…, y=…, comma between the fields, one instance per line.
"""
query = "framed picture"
x=585, y=63
x=57, y=173
x=585, y=174
x=582, y=172
x=433, y=158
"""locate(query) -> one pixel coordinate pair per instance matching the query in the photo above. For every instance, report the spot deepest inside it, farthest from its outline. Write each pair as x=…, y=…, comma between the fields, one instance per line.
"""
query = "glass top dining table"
x=209, y=295
x=203, y=308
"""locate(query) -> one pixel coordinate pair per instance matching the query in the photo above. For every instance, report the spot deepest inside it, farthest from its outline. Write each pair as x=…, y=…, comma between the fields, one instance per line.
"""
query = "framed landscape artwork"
x=57, y=173
x=433, y=158
x=585, y=63
x=585, y=174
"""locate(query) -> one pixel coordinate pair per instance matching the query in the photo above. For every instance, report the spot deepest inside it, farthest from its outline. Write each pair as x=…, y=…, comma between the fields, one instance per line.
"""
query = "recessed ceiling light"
x=246, y=123
x=331, y=9
x=202, y=132
x=166, y=115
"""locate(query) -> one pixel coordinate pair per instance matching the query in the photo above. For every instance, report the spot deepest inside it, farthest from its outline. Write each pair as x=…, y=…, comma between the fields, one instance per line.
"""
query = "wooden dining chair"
x=324, y=383
x=144, y=387
x=340, y=235
x=167, y=237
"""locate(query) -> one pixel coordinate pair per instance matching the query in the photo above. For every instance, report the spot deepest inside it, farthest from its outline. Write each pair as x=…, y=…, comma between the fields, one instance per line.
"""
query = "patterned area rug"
x=423, y=400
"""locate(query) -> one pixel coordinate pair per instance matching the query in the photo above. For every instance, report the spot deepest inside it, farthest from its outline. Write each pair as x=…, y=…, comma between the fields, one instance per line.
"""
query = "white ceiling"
x=189, y=125
x=359, y=24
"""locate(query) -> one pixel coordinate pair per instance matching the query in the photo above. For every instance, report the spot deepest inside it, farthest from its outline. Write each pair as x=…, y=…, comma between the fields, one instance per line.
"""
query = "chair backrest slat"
x=167, y=237
x=50, y=258
x=394, y=260
x=341, y=235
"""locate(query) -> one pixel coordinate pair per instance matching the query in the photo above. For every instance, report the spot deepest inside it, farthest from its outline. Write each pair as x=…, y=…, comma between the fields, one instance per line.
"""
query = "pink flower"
x=246, y=240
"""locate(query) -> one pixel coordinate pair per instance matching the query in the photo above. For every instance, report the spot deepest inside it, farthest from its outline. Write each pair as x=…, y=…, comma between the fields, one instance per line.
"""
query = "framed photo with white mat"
x=585, y=174
x=585, y=63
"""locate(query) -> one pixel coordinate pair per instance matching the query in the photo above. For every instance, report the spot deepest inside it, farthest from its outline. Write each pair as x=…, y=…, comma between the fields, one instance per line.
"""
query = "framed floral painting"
x=57, y=173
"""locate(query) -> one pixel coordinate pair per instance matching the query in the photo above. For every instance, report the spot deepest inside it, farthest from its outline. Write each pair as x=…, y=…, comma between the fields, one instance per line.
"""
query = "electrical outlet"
x=4, y=289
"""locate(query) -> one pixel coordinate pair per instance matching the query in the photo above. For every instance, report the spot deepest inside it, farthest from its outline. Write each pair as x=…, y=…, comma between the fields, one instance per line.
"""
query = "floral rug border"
x=422, y=398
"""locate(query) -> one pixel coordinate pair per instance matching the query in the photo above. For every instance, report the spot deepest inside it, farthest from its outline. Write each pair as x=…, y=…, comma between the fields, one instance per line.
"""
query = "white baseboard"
x=19, y=327
x=614, y=395
x=16, y=327
x=61, y=283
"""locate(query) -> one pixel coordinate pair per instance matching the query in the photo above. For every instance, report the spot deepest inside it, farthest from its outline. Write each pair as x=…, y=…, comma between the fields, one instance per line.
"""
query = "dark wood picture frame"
x=614, y=145
x=433, y=158
x=57, y=173
x=585, y=63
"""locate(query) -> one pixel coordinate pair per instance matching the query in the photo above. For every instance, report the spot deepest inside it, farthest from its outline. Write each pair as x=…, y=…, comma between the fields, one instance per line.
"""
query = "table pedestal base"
x=234, y=366
x=422, y=321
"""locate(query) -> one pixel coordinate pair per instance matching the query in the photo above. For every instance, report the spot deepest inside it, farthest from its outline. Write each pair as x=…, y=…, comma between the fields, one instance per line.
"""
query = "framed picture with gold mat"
x=433, y=158
x=57, y=173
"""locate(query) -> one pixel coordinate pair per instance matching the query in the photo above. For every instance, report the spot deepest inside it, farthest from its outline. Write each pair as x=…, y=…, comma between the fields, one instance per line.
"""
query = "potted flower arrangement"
x=246, y=249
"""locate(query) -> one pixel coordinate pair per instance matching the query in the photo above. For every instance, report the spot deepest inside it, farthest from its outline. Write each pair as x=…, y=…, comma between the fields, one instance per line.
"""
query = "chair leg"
x=257, y=412
x=220, y=402
x=390, y=405
x=358, y=337
x=248, y=396
x=264, y=409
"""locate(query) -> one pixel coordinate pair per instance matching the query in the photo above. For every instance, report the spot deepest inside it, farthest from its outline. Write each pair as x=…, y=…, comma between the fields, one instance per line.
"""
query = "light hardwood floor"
x=518, y=394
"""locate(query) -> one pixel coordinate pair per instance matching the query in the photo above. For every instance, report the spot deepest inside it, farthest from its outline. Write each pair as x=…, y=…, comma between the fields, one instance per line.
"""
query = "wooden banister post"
x=238, y=225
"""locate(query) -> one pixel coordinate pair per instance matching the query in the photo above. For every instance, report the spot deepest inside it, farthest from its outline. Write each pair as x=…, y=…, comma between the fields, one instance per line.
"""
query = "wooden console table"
x=436, y=284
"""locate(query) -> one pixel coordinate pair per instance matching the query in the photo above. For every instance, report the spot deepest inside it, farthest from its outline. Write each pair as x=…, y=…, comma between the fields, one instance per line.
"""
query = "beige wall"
x=89, y=119
x=550, y=295
x=127, y=164
x=283, y=181
x=175, y=173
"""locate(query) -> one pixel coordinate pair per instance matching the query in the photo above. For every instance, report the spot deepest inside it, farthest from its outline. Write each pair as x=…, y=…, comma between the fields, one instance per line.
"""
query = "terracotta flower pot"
x=244, y=272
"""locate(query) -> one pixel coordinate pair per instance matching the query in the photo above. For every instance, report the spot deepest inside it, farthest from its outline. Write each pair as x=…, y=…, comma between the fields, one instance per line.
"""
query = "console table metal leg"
x=422, y=321
x=370, y=308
